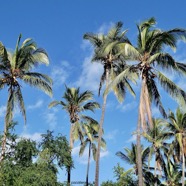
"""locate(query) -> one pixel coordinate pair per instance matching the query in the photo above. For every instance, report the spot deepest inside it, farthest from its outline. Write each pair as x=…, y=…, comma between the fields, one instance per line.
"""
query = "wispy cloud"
x=132, y=139
x=35, y=136
x=105, y=27
x=90, y=76
x=91, y=72
x=38, y=104
x=111, y=135
x=60, y=73
x=127, y=106
x=2, y=111
x=50, y=117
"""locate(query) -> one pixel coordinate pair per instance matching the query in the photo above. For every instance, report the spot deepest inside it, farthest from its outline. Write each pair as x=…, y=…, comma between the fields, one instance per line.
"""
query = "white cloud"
x=2, y=111
x=38, y=104
x=35, y=136
x=105, y=27
x=111, y=135
x=127, y=106
x=90, y=76
x=132, y=139
x=86, y=45
x=104, y=153
x=91, y=72
x=59, y=74
x=51, y=118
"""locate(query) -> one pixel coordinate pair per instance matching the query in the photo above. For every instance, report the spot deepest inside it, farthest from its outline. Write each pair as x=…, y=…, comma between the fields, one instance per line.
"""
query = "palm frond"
x=91, y=106
x=83, y=146
x=123, y=157
x=93, y=38
x=9, y=108
x=155, y=96
x=39, y=75
x=174, y=91
x=39, y=83
x=19, y=99
x=94, y=151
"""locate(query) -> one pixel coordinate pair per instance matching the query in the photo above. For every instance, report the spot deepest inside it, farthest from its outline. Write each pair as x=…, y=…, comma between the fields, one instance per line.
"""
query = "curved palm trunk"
x=139, y=158
x=71, y=147
x=88, y=165
x=155, y=169
x=183, y=169
x=100, y=132
x=8, y=118
x=140, y=123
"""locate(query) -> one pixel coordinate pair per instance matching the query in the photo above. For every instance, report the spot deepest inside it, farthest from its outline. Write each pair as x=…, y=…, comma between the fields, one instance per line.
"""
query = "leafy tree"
x=150, y=58
x=75, y=103
x=33, y=175
x=107, y=52
x=55, y=149
x=15, y=67
x=25, y=151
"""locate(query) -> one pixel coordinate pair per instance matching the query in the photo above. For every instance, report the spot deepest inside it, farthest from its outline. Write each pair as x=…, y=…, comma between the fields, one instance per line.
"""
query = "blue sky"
x=58, y=26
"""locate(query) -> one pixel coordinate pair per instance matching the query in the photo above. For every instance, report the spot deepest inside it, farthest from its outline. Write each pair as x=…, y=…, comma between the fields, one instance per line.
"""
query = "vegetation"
x=159, y=162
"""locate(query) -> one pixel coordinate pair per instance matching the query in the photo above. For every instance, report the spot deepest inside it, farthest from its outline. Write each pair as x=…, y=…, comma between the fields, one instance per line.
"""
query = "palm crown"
x=17, y=66
x=76, y=102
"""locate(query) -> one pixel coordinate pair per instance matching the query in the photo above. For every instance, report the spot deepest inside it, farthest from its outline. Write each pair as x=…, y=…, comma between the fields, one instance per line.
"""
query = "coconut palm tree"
x=157, y=136
x=16, y=67
x=177, y=127
x=173, y=175
x=106, y=52
x=74, y=104
x=150, y=59
x=90, y=129
x=130, y=157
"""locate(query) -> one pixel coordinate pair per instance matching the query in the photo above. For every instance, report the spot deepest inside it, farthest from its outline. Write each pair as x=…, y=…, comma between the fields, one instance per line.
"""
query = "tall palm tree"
x=177, y=126
x=130, y=157
x=90, y=129
x=150, y=59
x=173, y=175
x=107, y=52
x=74, y=104
x=16, y=67
x=157, y=136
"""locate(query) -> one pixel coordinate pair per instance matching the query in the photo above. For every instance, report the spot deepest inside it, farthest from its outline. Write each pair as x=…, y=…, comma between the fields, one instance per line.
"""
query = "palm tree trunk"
x=88, y=165
x=155, y=168
x=71, y=147
x=71, y=136
x=100, y=131
x=139, y=158
x=68, y=176
x=183, y=168
x=141, y=121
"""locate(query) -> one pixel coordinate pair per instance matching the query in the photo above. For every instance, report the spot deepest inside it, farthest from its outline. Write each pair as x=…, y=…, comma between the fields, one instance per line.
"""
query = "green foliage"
x=33, y=175
x=123, y=177
x=18, y=168
x=55, y=149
